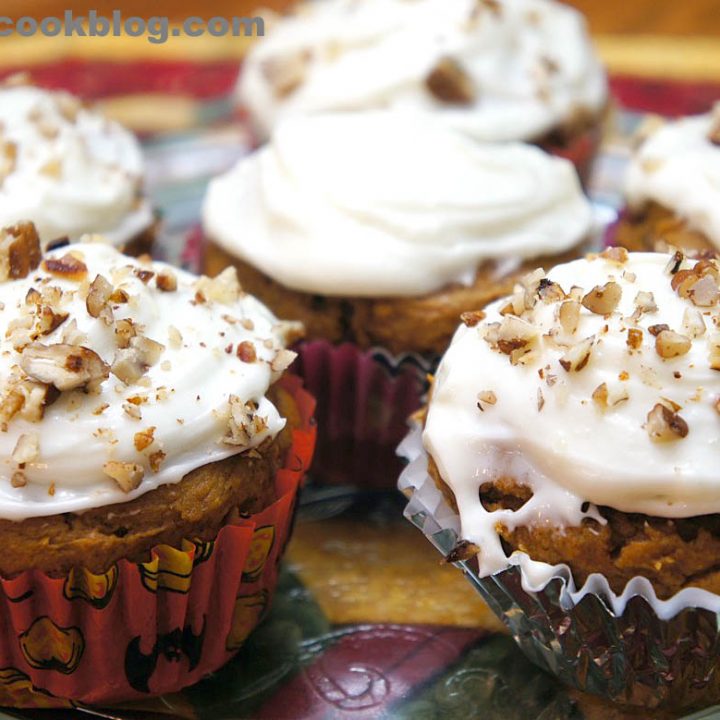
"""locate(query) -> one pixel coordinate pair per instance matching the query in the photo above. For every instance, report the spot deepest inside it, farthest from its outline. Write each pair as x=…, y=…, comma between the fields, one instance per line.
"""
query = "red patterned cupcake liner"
x=152, y=627
x=364, y=399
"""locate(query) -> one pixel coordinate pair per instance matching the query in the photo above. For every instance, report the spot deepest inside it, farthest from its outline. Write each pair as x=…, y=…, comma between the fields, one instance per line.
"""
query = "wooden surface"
x=673, y=17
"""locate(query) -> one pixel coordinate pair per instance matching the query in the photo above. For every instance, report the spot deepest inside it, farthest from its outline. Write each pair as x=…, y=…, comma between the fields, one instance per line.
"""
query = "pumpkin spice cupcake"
x=151, y=455
x=568, y=447
x=70, y=170
x=673, y=187
x=378, y=235
x=498, y=70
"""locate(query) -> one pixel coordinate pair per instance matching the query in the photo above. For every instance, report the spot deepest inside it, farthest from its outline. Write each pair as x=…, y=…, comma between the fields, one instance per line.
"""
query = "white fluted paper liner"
x=441, y=521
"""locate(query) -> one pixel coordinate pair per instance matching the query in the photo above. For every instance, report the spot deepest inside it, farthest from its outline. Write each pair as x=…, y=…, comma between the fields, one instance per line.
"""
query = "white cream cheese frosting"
x=67, y=168
x=620, y=410
x=366, y=204
x=528, y=65
x=170, y=375
x=678, y=167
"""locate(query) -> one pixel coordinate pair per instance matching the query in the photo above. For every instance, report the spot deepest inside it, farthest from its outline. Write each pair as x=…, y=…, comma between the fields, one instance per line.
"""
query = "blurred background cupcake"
x=672, y=186
x=151, y=457
x=377, y=234
x=567, y=460
x=70, y=170
x=497, y=70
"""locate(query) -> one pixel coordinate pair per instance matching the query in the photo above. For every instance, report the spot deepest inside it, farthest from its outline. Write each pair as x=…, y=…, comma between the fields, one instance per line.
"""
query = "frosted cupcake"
x=378, y=234
x=498, y=70
x=569, y=446
x=151, y=453
x=673, y=187
x=70, y=170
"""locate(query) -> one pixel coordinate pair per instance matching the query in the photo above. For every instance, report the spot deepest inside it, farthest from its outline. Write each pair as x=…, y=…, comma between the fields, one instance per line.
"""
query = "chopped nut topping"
x=166, y=281
x=449, y=83
x=704, y=292
x=645, y=303
x=514, y=334
x=606, y=397
x=246, y=351
x=224, y=288
x=127, y=475
x=569, y=316
x=156, y=459
x=282, y=361
x=669, y=344
x=486, y=397
x=540, y=400
x=243, y=423
x=27, y=449
x=64, y=366
x=675, y=263
x=48, y=320
x=655, y=330
x=174, y=337
x=550, y=292
x=634, y=338
x=472, y=317
x=67, y=267
x=144, y=438
x=132, y=411
x=693, y=324
x=18, y=479
x=131, y=363
x=19, y=251
x=603, y=300
x=144, y=276
x=577, y=357
x=119, y=296
x=664, y=425
x=617, y=255
x=125, y=331
x=97, y=299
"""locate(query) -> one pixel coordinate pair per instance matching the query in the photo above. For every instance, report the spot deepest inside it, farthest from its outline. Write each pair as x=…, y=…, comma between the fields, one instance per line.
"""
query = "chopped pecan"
x=98, y=298
x=246, y=351
x=617, y=255
x=669, y=344
x=68, y=267
x=577, y=357
x=65, y=367
x=634, y=338
x=602, y=300
x=449, y=83
x=664, y=425
x=27, y=449
x=569, y=316
x=224, y=288
x=693, y=324
x=131, y=363
x=144, y=438
x=472, y=317
x=19, y=251
x=166, y=281
x=127, y=475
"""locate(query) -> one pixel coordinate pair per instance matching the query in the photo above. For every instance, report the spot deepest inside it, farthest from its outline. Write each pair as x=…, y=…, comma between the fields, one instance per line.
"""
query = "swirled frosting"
x=114, y=386
x=68, y=169
x=597, y=385
x=495, y=69
x=365, y=204
x=678, y=166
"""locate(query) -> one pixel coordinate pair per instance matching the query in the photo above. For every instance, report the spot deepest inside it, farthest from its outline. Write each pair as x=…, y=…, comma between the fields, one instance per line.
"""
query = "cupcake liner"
x=152, y=627
x=633, y=649
x=363, y=401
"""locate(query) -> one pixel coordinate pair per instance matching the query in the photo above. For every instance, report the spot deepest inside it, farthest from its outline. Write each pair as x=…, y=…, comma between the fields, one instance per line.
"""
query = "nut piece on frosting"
x=81, y=334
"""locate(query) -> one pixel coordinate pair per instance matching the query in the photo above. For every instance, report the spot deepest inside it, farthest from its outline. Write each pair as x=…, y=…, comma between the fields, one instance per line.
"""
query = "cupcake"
x=379, y=234
x=567, y=463
x=70, y=170
x=151, y=452
x=673, y=187
x=497, y=70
